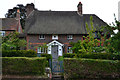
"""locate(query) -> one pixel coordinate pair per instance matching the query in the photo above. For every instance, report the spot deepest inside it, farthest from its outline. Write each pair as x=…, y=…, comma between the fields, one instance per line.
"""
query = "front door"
x=54, y=52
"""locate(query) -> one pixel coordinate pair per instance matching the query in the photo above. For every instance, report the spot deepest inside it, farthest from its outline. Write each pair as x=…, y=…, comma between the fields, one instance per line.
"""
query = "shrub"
x=69, y=55
x=23, y=66
x=109, y=56
x=91, y=68
x=19, y=53
x=48, y=56
x=60, y=58
x=49, y=59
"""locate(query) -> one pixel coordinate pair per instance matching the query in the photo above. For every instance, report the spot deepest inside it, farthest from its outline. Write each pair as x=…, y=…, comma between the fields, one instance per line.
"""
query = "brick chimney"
x=79, y=6
x=29, y=8
x=18, y=14
x=19, y=27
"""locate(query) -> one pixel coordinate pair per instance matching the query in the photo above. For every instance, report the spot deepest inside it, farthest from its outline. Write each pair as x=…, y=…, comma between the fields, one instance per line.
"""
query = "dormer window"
x=41, y=36
x=55, y=37
x=69, y=36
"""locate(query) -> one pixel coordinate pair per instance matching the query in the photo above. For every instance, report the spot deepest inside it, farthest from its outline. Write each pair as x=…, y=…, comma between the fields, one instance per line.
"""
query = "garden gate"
x=56, y=65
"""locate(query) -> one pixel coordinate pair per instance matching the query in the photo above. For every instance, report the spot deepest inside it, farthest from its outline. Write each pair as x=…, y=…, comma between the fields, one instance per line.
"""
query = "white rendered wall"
x=60, y=50
x=49, y=49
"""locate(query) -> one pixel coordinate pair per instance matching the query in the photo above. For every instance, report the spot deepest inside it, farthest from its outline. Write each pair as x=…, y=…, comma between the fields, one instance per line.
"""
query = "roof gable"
x=55, y=43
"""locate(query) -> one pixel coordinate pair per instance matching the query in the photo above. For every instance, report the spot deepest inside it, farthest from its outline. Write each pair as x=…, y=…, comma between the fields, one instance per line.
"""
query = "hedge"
x=69, y=55
x=23, y=66
x=48, y=56
x=108, y=56
x=76, y=68
x=19, y=53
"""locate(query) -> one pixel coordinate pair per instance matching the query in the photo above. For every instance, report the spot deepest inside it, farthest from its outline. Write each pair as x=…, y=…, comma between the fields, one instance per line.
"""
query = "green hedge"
x=69, y=55
x=19, y=53
x=48, y=56
x=91, y=68
x=23, y=66
x=108, y=56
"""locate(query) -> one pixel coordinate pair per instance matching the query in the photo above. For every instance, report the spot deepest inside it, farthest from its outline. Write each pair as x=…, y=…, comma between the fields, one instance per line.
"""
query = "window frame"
x=54, y=37
x=2, y=33
x=69, y=37
x=68, y=49
x=41, y=36
x=41, y=50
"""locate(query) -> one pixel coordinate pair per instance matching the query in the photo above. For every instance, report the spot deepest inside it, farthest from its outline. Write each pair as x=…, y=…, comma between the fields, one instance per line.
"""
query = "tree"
x=89, y=44
x=12, y=42
x=12, y=13
x=113, y=43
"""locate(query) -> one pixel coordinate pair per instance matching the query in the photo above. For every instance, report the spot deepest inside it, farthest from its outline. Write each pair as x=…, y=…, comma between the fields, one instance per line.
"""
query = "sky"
x=104, y=9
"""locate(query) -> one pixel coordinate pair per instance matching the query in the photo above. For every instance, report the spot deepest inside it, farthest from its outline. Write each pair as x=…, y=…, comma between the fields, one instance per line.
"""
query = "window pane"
x=41, y=36
x=2, y=33
x=41, y=50
x=54, y=36
x=69, y=37
x=69, y=49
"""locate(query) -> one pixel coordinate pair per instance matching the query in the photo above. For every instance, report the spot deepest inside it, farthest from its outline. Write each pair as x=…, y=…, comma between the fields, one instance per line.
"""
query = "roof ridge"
x=30, y=13
x=54, y=11
x=7, y=18
x=59, y=11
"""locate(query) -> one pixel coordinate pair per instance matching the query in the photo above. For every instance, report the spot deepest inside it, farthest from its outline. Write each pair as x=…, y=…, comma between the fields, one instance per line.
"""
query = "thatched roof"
x=59, y=22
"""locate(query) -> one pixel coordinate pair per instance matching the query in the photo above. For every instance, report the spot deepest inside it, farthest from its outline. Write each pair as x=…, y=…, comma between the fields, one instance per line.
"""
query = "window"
x=42, y=36
x=41, y=50
x=2, y=33
x=54, y=36
x=69, y=49
x=69, y=36
x=97, y=35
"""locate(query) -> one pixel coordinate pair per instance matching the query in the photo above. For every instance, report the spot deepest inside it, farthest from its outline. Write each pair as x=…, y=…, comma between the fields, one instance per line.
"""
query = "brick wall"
x=33, y=41
x=8, y=32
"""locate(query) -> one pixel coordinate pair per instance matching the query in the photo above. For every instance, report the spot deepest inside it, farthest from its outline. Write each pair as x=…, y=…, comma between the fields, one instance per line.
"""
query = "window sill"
x=42, y=38
x=69, y=39
x=54, y=39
